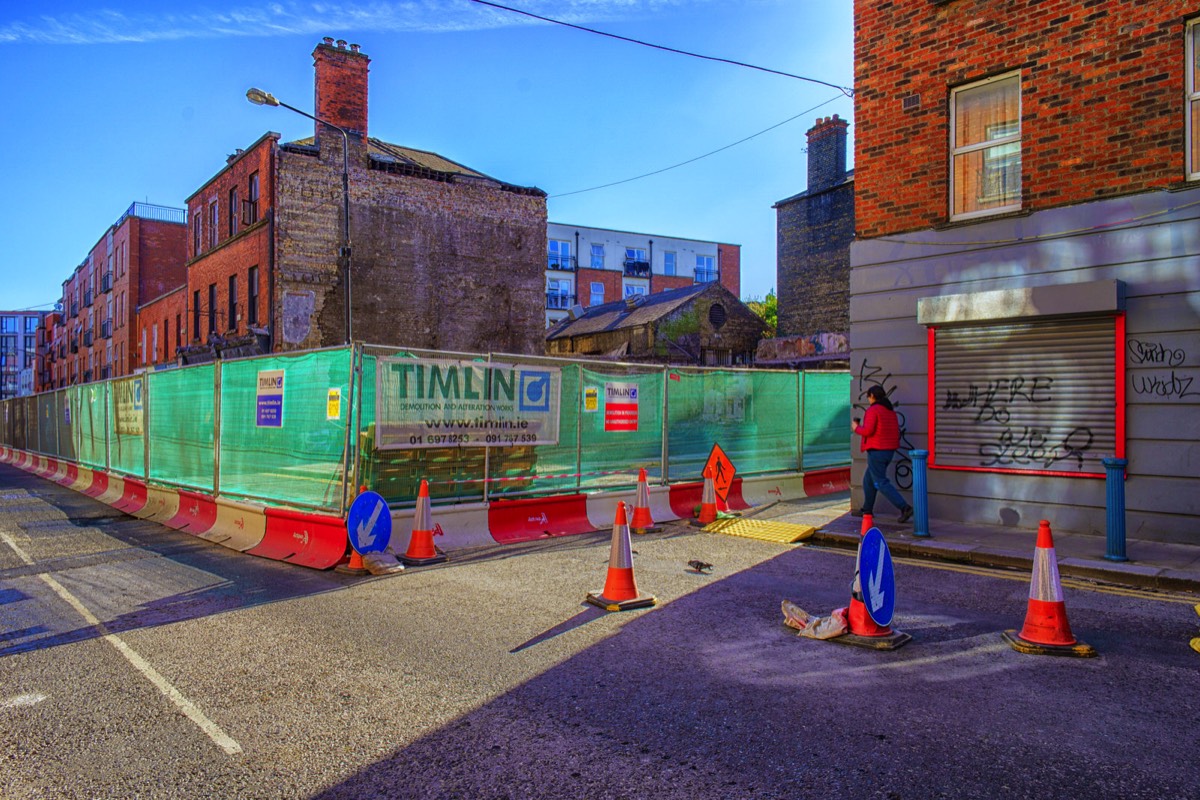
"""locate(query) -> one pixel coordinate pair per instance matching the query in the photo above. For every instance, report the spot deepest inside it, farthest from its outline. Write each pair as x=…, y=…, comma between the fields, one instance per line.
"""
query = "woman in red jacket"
x=880, y=432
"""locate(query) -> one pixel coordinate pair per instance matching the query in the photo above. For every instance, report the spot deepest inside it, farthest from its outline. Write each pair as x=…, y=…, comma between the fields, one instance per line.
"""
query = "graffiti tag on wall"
x=869, y=375
x=1166, y=385
x=1019, y=445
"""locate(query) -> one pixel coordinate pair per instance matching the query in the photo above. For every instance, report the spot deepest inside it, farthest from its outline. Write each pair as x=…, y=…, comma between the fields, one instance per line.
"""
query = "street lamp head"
x=261, y=98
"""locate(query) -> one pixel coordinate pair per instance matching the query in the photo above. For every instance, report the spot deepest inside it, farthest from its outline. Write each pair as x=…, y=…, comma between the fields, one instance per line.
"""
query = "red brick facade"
x=98, y=335
x=613, y=281
x=237, y=247
x=729, y=263
x=162, y=328
x=1101, y=88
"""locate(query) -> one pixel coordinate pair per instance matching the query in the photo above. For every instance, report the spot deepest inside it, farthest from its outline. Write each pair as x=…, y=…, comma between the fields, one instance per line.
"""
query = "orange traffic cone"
x=420, y=545
x=868, y=523
x=708, y=500
x=1046, y=631
x=861, y=629
x=620, y=589
x=642, y=521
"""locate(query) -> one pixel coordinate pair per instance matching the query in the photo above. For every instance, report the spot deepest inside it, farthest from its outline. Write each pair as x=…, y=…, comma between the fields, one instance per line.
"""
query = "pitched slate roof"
x=616, y=315
x=409, y=159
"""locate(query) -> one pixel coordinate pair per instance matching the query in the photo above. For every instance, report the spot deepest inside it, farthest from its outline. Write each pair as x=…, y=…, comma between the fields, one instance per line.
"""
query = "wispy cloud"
x=111, y=26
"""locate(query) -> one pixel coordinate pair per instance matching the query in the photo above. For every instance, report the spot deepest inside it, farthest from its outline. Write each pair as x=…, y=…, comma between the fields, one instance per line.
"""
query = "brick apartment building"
x=1026, y=277
x=813, y=234
x=95, y=335
x=442, y=256
x=593, y=266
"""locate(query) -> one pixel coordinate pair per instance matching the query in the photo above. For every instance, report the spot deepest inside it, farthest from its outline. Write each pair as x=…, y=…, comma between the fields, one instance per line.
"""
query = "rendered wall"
x=1149, y=241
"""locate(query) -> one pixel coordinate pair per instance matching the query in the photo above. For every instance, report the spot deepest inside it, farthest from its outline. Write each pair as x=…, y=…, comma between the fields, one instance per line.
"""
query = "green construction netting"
x=126, y=421
x=296, y=456
x=620, y=418
x=751, y=415
x=181, y=416
x=66, y=430
x=47, y=424
x=288, y=445
x=88, y=414
x=826, y=419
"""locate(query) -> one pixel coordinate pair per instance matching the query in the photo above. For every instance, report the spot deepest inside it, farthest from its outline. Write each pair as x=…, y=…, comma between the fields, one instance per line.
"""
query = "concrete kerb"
x=1095, y=571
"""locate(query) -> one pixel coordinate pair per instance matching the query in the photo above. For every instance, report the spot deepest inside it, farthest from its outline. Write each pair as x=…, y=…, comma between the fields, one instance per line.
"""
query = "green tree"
x=768, y=310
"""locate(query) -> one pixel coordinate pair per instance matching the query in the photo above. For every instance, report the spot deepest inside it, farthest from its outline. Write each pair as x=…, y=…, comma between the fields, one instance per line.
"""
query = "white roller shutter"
x=1035, y=396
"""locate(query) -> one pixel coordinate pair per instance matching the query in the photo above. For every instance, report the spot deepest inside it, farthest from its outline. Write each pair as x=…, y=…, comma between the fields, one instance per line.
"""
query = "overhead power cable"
x=697, y=158
x=846, y=90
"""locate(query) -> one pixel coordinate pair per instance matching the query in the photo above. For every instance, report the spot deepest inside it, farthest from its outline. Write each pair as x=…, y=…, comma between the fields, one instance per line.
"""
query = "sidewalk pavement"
x=1152, y=565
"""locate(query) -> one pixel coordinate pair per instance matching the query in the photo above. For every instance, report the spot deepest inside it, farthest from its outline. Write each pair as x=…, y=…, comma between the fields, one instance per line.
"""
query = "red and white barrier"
x=320, y=540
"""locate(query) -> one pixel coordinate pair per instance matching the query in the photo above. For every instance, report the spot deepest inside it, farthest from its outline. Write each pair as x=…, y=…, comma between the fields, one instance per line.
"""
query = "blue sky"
x=105, y=103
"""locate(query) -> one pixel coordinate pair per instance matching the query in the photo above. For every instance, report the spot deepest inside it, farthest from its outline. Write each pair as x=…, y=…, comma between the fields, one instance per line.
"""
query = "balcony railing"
x=637, y=269
x=106, y=329
x=106, y=373
x=87, y=338
x=706, y=275
x=87, y=297
x=559, y=300
x=74, y=309
x=561, y=263
x=106, y=282
x=75, y=344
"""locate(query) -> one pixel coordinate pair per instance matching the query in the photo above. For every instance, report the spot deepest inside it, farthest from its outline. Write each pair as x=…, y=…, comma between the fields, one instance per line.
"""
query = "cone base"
x=892, y=641
x=1077, y=650
x=650, y=529
x=408, y=561
x=598, y=599
x=346, y=569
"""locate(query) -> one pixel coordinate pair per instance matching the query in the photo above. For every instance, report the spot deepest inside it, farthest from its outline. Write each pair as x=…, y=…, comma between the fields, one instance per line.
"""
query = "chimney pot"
x=341, y=43
x=328, y=40
x=353, y=48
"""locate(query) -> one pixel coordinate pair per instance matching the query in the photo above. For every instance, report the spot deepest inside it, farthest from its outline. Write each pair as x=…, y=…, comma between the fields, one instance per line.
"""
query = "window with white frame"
x=985, y=147
x=558, y=293
x=668, y=263
x=1193, y=99
x=706, y=270
x=597, y=256
x=559, y=254
x=632, y=289
x=597, y=294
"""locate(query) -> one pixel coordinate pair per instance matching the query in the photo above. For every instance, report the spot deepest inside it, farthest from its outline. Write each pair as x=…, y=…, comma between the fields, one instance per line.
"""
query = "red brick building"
x=441, y=256
x=1025, y=280
x=141, y=254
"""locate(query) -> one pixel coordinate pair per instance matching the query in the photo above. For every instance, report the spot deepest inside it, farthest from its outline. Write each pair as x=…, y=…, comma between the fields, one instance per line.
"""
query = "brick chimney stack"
x=341, y=86
x=827, y=153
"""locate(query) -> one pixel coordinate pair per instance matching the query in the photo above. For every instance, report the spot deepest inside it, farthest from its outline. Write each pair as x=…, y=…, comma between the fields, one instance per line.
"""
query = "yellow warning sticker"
x=763, y=529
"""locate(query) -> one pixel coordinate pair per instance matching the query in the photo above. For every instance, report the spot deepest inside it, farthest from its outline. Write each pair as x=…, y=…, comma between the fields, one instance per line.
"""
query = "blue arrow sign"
x=369, y=523
x=877, y=579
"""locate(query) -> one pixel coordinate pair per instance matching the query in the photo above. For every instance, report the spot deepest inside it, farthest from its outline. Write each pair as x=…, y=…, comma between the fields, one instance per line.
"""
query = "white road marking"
x=22, y=701
x=189, y=709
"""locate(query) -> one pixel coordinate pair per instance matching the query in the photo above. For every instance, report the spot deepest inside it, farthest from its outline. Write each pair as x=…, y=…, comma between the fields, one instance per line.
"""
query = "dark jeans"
x=875, y=478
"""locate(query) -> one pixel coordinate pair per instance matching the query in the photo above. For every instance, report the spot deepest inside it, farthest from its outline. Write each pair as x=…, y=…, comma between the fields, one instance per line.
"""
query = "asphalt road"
x=136, y=661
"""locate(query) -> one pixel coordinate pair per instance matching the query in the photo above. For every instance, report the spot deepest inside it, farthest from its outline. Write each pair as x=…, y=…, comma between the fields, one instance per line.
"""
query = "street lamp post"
x=261, y=98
